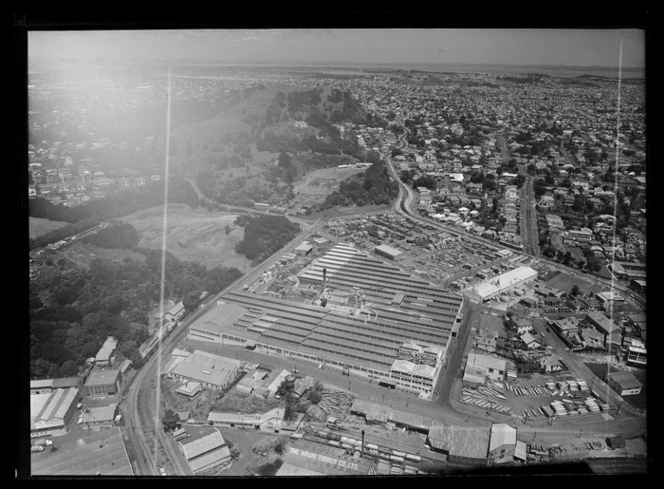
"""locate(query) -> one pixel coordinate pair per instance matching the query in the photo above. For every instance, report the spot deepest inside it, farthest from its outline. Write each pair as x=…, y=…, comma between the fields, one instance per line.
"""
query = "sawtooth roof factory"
x=367, y=311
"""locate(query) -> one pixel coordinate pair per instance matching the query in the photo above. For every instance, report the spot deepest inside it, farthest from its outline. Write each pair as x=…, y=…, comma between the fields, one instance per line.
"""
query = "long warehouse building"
x=502, y=283
x=392, y=308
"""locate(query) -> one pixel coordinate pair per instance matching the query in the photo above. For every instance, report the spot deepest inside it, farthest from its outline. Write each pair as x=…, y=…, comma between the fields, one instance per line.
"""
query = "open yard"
x=205, y=237
x=565, y=282
x=38, y=226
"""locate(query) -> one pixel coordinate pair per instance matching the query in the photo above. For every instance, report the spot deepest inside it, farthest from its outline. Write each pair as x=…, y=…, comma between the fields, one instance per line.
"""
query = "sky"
x=569, y=47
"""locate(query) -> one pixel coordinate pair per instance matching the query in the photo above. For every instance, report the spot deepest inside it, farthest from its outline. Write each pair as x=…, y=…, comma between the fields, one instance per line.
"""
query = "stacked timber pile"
x=335, y=403
x=484, y=397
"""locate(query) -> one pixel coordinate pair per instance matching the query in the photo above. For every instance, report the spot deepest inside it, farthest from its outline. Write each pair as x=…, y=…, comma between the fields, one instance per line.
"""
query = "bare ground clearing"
x=195, y=235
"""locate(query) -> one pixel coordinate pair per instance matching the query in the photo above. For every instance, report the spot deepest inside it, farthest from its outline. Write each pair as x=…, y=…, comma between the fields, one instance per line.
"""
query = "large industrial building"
x=502, y=283
x=372, y=309
x=52, y=412
x=205, y=451
x=209, y=370
x=103, y=383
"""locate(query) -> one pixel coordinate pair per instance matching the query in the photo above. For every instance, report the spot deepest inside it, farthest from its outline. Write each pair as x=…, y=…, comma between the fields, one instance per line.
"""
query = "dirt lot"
x=193, y=235
x=82, y=254
x=38, y=226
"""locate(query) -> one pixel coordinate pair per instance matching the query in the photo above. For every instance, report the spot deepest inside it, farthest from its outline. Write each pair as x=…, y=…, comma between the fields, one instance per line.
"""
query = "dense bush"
x=264, y=235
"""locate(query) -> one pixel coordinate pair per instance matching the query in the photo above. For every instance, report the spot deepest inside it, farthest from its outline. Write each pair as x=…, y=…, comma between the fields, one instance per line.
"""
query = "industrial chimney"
x=362, y=449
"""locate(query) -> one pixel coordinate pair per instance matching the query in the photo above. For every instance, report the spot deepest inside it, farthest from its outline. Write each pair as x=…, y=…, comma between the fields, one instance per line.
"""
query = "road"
x=529, y=234
x=403, y=205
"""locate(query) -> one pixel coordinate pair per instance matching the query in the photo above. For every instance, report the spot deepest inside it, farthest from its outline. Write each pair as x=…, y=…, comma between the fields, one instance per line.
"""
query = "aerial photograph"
x=348, y=252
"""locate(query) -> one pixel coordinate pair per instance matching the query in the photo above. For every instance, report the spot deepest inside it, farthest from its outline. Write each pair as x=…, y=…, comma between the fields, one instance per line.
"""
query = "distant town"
x=340, y=271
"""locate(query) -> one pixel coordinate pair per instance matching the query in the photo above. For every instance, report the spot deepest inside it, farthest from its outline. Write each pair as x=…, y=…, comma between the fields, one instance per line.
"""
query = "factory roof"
x=307, y=457
x=206, y=368
x=388, y=250
x=502, y=434
x=99, y=414
x=198, y=446
x=102, y=377
x=413, y=368
x=460, y=441
x=602, y=322
x=501, y=282
x=107, y=349
x=485, y=361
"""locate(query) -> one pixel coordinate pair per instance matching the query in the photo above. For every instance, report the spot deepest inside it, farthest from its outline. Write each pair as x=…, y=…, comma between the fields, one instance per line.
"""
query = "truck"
x=43, y=443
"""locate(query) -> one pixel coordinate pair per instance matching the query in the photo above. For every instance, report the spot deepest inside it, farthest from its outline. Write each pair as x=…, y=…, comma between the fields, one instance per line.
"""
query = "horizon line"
x=336, y=63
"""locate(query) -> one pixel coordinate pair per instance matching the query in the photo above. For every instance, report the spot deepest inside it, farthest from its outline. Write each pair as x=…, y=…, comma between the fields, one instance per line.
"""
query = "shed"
x=615, y=442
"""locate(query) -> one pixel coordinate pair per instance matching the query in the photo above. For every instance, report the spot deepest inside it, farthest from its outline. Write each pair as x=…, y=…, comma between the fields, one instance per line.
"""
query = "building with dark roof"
x=624, y=383
x=103, y=383
x=43, y=386
x=461, y=444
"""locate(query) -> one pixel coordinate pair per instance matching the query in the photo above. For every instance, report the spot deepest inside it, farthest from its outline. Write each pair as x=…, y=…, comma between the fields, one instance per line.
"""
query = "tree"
x=567, y=257
x=171, y=421
x=575, y=290
x=192, y=300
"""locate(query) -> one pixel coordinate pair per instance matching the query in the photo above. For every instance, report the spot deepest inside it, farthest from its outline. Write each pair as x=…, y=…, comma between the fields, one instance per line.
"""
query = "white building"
x=413, y=377
x=479, y=367
x=51, y=412
x=502, y=283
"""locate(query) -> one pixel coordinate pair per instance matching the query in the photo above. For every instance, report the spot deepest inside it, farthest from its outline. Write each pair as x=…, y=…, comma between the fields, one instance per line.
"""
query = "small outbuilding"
x=616, y=442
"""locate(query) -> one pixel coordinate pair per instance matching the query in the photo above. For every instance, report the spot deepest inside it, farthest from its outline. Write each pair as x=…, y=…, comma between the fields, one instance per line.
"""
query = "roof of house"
x=189, y=387
x=528, y=338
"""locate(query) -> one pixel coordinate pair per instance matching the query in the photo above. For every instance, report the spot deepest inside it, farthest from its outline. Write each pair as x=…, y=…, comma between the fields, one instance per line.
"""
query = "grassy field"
x=318, y=184
x=205, y=237
x=565, y=282
x=38, y=226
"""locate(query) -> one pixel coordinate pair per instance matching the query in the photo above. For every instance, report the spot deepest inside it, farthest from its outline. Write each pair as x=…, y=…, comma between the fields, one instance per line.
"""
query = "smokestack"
x=362, y=449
